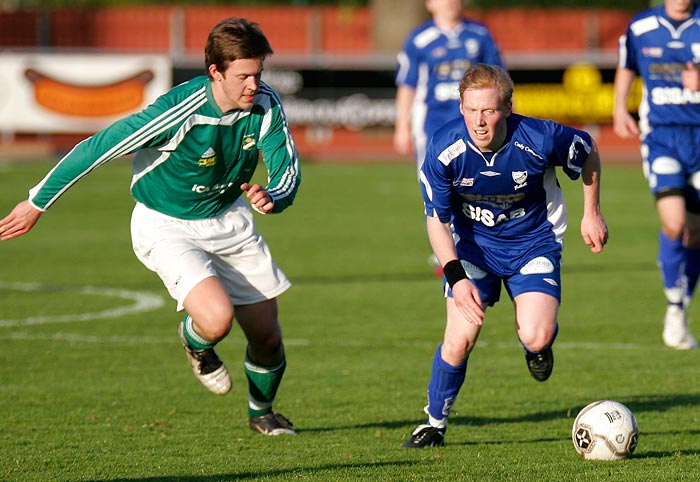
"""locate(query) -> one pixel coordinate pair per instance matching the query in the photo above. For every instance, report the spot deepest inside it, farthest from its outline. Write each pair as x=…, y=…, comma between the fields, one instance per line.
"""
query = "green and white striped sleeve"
x=279, y=154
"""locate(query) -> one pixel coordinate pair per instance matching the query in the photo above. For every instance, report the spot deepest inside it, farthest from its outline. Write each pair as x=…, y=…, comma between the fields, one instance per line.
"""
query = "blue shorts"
x=671, y=157
x=540, y=273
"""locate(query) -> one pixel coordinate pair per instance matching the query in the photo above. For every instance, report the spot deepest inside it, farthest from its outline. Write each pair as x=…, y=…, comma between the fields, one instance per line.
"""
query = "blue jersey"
x=433, y=62
x=507, y=202
x=657, y=49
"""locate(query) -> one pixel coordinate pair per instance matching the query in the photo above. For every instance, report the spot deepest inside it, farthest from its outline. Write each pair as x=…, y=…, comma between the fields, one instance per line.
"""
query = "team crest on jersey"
x=248, y=143
x=520, y=178
x=208, y=159
x=472, y=47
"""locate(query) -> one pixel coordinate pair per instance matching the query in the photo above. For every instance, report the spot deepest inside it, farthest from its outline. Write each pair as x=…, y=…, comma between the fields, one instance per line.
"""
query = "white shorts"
x=184, y=252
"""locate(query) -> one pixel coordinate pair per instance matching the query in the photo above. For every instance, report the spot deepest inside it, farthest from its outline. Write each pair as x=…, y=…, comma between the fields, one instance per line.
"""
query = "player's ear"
x=214, y=73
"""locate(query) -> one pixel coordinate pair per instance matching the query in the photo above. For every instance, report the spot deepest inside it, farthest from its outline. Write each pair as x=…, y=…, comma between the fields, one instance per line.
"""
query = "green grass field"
x=91, y=388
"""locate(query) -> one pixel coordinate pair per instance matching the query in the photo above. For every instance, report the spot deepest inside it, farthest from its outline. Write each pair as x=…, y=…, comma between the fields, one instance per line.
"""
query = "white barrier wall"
x=76, y=93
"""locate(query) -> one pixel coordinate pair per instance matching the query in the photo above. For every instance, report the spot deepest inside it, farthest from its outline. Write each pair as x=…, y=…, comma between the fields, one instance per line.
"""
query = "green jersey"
x=191, y=158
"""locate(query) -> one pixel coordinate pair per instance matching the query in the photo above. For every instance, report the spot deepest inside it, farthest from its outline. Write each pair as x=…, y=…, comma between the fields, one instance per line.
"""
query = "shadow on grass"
x=301, y=472
x=638, y=404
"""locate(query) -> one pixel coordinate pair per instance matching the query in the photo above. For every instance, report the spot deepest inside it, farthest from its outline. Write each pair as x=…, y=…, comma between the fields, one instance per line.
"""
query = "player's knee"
x=456, y=352
x=270, y=343
x=673, y=230
x=537, y=340
x=215, y=323
x=266, y=351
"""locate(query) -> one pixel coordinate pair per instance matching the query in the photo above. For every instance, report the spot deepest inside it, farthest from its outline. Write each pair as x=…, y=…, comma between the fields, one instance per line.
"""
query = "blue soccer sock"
x=194, y=339
x=445, y=383
x=692, y=271
x=671, y=261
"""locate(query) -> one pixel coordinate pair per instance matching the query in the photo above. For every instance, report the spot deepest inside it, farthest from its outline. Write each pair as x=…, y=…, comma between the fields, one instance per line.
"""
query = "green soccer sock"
x=194, y=339
x=263, y=383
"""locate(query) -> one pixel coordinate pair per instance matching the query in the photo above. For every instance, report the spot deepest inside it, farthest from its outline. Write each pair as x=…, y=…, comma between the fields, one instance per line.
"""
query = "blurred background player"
x=433, y=60
x=491, y=173
x=197, y=147
x=662, y=46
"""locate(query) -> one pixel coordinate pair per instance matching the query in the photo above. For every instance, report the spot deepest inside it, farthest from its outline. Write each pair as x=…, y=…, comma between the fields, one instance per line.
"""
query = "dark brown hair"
x=235, y=38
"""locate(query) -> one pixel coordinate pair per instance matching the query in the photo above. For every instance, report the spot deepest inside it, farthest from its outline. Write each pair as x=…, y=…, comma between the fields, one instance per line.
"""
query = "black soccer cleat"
x=272, y=424
x=540, y=364
x=425, y=436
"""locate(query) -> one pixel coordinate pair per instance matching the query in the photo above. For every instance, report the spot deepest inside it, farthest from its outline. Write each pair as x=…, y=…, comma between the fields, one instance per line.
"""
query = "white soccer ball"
x=605, y=430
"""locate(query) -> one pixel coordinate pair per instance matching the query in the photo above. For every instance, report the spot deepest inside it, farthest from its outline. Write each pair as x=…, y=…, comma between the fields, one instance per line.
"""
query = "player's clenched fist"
x=259, y=198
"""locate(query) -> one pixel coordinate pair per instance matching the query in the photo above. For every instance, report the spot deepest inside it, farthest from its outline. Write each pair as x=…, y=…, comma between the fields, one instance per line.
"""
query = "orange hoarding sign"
x=56, y=93
x=89, y=100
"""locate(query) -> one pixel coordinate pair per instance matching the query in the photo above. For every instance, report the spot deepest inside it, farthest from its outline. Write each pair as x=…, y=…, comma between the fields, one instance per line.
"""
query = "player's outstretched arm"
x=20, y=220
x=594, y=229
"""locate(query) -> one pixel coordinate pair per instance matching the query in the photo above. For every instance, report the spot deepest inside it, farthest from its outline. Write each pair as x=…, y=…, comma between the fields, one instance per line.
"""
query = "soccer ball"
x=605, y=430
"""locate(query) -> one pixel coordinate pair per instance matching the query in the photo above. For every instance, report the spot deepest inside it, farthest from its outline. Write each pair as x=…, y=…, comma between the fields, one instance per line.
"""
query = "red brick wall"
x=346, y=29
x=528, y=29
x=18, y=29
x=285, y=27
x=300, y=29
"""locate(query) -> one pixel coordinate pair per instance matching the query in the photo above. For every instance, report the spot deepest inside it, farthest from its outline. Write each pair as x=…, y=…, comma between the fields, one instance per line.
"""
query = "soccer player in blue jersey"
x=495, y=215
x=662, y=46
x=197, y=147
x=434, y=57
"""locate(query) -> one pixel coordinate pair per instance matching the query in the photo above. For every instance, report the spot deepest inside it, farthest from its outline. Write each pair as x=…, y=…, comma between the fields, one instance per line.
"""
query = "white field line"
x=137, y=340
x=142, y=302
x=120, y=339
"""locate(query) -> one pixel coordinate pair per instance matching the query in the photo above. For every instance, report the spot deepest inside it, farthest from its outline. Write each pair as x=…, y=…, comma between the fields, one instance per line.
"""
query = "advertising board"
x=82, y=93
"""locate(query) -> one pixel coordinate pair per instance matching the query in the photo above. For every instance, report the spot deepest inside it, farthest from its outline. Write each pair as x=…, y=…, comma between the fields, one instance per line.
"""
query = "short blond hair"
x=485, y=76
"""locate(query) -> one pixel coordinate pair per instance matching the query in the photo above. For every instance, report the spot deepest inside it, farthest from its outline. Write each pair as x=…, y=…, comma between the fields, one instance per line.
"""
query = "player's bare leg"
x=536, y=325
x=209, y=318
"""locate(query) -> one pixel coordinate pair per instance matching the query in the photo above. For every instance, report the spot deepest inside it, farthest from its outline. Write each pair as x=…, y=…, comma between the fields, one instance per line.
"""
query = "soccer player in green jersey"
x=196, y=148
